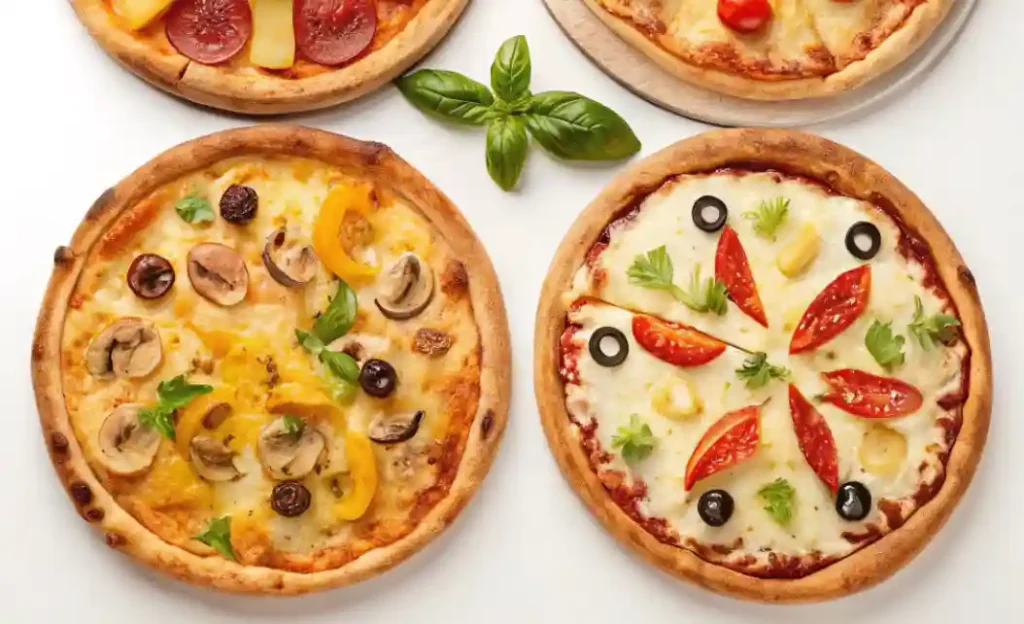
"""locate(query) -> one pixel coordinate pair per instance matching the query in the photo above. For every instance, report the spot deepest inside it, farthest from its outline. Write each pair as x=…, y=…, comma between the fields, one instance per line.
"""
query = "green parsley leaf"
x=636, y=440
x=195, y=209
x=931, y=329
x=778, y=497
x=339, y=316
x=218, y=536
x=769, y=216
x=758, y=372
x=655, y=271
x=171, y=395
x=886, y=348
x=707, y=296
x=293, y=425
x=342, y=365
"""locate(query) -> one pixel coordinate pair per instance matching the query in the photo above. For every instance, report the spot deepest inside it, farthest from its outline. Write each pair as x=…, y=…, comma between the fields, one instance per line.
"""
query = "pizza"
x=763, y=364
x=774, y=49
x=268, y=56
x=272, y=360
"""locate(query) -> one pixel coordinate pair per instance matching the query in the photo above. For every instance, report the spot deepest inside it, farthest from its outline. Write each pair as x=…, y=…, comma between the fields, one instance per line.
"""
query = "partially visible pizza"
x=774, y=49
x=761, y=361
x=272, y=360
x=268, y=56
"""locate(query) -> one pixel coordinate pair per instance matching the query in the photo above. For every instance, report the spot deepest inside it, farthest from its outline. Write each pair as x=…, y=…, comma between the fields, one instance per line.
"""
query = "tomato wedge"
x=332, y=32
x=870, y=396
x=732, y=439
x=675, y=343
x=833, y=310
x=815, y=438
x=733, y=270
x=745, y=16
x=209, y=31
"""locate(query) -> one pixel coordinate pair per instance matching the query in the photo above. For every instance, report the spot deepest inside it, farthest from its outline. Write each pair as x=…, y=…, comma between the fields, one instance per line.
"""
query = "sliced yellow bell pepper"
x=362, y=466
x=190, y=418
x=328, y=230
x=303, y=400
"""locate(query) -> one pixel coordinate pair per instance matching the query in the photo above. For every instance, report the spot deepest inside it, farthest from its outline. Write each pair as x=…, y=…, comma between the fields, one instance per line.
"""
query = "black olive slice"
x=715, y=507
x=857, y=233
x=853, y=502
x=608, y=359
x=710, y=204
x=378, y=378
x=290, y=499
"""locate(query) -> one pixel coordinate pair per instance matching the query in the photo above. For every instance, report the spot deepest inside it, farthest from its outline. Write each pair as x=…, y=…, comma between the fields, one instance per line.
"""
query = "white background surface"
x=525, y=550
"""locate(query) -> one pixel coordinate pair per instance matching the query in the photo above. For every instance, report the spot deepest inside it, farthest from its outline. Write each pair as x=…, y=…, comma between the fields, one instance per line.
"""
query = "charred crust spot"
x=63, y=255
x=832, y=178
x=81, y=493
x=38, y=350
x=94, y=515
x=59, y=443
x=454, y=280
x=487, y=424
x=115, y=540
x=101, y=202
x=966, y=276
x=375, y=153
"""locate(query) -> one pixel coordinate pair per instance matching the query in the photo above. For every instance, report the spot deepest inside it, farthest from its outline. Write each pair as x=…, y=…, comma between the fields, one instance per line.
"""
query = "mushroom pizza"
x=268, y=56
x=763, y=364
x=272, y=360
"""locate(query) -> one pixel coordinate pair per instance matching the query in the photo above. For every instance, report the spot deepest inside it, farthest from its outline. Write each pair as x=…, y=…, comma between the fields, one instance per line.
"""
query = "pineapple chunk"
x=677, y=399
x=799, y=253
x=139, y=13
x=273, y=34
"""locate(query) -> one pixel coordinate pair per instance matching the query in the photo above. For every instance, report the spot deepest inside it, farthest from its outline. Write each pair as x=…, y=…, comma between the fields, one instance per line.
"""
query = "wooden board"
x=635, y=71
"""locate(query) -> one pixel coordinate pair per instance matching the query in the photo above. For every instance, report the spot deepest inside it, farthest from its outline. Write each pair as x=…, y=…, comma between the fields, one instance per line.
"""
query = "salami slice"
x=209, y=31
x=332, y=32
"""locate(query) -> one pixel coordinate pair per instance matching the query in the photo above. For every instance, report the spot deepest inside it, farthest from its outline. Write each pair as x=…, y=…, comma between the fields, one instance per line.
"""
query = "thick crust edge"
x=851, y=174
x=366, y=160
x=896, y=48
x=264, y=94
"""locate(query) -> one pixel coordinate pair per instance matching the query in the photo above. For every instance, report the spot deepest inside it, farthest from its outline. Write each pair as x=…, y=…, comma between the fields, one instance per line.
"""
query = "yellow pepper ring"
x=363, y=469
x=327, y=228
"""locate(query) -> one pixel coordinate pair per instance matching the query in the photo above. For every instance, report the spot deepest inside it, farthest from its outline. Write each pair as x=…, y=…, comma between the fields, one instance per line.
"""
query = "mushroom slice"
x=213, y=460
x=128, y=447
x=286, y=455
x=406, y=288
x=290, y=263
x=395, y=429
x=127, y=348
x=218, y=273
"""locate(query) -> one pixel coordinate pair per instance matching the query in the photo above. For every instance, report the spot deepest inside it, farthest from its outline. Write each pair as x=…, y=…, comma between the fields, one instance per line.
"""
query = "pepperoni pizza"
x=774, y=49
x=764, y=365
x=268, y=56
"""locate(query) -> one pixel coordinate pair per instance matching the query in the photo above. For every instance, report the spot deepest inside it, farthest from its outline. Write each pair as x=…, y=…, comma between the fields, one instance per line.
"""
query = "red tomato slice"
x=675, y=343
x=833, y=310
x=732, y=439
x=815, y=438
x=870, y=396
x=332, y=32
x=209, y=31
x=733, y=270
x=745, y=16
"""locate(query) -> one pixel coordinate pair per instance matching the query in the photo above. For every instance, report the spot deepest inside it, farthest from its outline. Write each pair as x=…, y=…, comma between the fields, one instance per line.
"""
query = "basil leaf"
x=506, y=151
x=448, y=95
x=158, y=418
x=341, y=365
x=342, y=391
x=293, y=426
x=574, y=127
x=339, y=316
x=195, y=209
x=177, y=392
x=510, y=72
x=309, y=341
x=218, y=536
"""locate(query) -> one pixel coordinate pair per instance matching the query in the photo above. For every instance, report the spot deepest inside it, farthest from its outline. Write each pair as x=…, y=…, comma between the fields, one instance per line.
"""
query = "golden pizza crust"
x=262, y=93
x=371, y=161
x=850, y=174
x=892, y=51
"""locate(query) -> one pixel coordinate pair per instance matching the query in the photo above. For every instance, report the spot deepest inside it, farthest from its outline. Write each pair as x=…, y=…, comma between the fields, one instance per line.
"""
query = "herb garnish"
x=655, y=271
x=886, y=348
x=195, y=209
x=758, y=372
x=218, y=536
x=931, y=329
x=635, y=439
x=171, y=395
x=293, y=426
x=769, y=216
x=778, y=496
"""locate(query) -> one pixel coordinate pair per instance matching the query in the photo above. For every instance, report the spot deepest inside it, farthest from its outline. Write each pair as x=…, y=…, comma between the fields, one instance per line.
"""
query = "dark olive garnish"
x=378, y=378
x=710, y=213
x=715, y=507
x=150, y=276
x=598, y=342
x=856, y=236
x=290, y=498
x=395, y=429
x=853, y=502
x=238, y=204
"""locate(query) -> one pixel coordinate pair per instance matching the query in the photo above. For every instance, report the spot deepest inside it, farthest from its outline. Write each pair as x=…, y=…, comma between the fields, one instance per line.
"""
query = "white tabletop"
x=525, y=550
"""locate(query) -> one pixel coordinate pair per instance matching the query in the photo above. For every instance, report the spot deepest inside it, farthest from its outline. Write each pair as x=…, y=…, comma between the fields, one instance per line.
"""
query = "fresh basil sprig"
x=566, y=124
x=171, y=395
x=218, y=536
x=339, y=316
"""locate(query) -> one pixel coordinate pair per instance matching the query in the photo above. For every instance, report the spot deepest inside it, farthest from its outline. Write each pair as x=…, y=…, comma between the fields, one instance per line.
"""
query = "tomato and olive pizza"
x=762, y=363
x=774, y=49
x=272, y=360
x=268, y=56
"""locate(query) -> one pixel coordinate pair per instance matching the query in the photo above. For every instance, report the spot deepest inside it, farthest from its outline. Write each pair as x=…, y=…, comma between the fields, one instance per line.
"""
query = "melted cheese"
x=608, y=396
